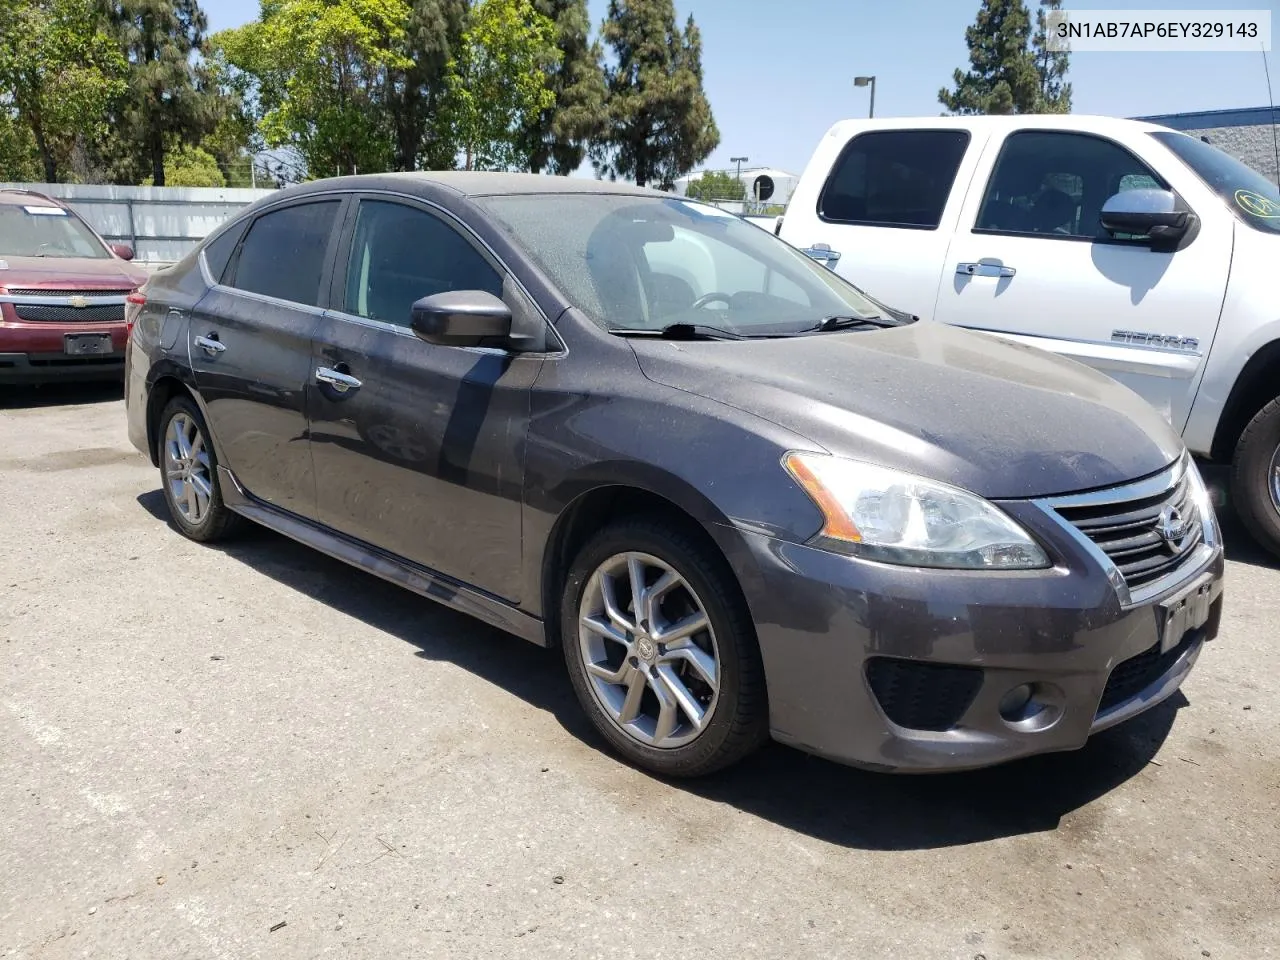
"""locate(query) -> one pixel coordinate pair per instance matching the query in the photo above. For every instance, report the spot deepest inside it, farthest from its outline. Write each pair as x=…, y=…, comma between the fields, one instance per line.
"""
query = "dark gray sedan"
x=742, y=498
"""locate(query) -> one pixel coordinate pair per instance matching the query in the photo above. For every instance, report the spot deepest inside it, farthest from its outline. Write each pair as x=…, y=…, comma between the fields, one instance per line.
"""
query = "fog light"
x=1013, y=705
x=1032, y=707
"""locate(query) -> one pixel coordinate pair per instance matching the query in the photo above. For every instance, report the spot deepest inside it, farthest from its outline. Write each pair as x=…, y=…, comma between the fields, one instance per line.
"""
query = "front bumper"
x=34, y=351
x=827, y=624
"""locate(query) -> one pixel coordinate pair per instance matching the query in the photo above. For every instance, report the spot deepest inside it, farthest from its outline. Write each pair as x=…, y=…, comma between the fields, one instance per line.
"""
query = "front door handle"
x=211, y=344
x=983, y=269
x=823, y=254
x=341, y=382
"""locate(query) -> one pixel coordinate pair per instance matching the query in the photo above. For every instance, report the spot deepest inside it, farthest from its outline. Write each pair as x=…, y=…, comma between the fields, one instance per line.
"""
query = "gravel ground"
x=254, y=751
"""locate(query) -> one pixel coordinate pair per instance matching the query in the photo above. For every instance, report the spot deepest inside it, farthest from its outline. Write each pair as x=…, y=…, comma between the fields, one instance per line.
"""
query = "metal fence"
x=162, y=224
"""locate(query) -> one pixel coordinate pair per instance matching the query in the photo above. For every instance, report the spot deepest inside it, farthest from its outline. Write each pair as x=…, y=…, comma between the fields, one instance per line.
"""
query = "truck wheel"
x=1255, y=476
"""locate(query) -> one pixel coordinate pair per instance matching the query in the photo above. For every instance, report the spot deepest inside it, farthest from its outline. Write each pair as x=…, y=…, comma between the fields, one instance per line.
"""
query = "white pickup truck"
x=1145, y=253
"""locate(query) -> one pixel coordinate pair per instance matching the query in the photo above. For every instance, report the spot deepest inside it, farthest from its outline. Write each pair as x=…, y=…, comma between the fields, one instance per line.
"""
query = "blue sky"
x=780, y=72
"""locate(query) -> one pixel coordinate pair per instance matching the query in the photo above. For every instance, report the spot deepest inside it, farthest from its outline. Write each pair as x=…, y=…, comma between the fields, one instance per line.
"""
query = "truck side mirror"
x=1149, y=213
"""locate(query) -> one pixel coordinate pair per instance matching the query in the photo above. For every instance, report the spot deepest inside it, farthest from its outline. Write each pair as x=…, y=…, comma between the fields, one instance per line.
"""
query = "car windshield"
x=1251, y=196
x=41, y=230
x=644, y=263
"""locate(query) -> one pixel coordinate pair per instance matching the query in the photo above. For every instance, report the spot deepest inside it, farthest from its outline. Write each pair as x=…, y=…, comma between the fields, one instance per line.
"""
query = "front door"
x=250, y=349
x=1031, y=260
x=419, y=448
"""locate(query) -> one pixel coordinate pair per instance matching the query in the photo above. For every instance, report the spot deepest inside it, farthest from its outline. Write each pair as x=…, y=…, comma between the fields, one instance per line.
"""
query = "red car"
x=63, y=292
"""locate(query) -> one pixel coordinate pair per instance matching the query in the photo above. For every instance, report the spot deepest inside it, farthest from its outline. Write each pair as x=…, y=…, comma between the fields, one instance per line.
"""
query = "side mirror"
x=1147, y=213
x=122, y=250
x=460, y=318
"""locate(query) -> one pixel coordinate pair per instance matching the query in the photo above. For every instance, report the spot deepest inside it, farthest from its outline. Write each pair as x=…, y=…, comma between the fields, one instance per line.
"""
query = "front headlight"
x=897, y=517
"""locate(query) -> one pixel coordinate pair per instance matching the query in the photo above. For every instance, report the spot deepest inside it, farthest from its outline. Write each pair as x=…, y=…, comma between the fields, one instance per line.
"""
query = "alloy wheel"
x=186, y=469
x=1273, y=479
x=649, y=650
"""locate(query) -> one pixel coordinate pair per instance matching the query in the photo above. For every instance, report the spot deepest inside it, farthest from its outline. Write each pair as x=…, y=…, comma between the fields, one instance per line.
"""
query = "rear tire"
x=189, y=475
x=679, y=688
x=1255, y=477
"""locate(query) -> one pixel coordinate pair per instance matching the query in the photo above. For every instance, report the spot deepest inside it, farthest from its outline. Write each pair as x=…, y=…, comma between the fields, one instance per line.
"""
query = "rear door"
x=886, y=209
x=419, y=448
x=1032, y=261
x=250, y=349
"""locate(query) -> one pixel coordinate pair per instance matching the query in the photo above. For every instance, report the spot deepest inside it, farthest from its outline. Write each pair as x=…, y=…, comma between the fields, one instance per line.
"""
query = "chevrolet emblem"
x=78, y=301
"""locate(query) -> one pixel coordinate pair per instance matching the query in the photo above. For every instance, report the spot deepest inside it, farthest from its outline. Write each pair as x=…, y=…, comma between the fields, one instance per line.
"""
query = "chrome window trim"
x=1162, y=483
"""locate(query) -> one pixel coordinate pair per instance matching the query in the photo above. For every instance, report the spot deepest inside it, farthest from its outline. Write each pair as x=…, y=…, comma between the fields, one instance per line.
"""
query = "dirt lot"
x=257, y=752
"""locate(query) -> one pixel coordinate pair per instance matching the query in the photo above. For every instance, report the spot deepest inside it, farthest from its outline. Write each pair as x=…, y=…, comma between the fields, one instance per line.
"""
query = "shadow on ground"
x=1240, y=546
x=812, y=796
x=21, y=396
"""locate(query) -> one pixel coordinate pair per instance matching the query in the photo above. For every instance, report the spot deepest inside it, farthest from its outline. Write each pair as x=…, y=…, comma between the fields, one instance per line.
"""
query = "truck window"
x=1054, y=184
x=1247, y=193
x=894, y=178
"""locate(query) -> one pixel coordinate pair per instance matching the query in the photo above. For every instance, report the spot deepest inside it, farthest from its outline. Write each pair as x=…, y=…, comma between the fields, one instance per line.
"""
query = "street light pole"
x=739, y=161
x=868, y=82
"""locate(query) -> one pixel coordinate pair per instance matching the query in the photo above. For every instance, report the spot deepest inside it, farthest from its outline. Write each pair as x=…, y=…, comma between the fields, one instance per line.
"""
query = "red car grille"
x=50, y=313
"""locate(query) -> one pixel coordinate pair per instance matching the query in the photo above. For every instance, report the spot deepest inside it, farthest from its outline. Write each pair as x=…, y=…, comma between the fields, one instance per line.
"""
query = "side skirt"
x=420, y=580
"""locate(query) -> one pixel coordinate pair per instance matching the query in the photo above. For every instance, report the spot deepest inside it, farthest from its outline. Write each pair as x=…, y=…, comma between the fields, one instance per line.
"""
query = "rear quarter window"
x=217, y=253
x=894, y=178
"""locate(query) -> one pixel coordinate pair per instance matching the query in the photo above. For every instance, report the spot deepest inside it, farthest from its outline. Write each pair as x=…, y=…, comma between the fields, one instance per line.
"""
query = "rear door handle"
x=341, y=382
x=823, y=254
x=982, y=269
x=210, y=344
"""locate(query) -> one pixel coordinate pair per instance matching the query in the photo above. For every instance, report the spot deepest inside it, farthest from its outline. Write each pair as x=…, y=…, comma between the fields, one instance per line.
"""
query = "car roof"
x=1078, y=122
x=466, y=183
x=12, y=196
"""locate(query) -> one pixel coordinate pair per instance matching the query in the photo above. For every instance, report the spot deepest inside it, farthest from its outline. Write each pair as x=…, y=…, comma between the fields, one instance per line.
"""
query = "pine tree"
x=557, y=138
x=433, y=32
x=1002, y=75
x=1051, y=66
x=659, y=121
x=165, y=103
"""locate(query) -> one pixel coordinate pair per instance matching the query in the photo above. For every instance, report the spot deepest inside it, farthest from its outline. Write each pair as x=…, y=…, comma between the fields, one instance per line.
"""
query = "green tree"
x=716, y=185
x=317, y=71
x=498, y=80
x=19, y=159
x=59, y=72
x=1051, y=65
x=556, y=139
x=188, y=166
x=659, y=121
x=1010, y=71
x=415, y=93
x=167, y=100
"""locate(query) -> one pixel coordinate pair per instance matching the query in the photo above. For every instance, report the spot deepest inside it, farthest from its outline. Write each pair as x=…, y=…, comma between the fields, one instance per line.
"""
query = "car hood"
x=69, y=273
x=998, y=418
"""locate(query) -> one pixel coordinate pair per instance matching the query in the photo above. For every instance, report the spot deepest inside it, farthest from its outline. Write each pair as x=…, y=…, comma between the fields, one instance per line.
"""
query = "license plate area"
x=86, y=344
x=1183, y=612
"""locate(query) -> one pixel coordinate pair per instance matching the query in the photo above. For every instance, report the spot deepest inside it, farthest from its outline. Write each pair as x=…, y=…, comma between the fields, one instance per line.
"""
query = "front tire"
x=1255, y=476
x=662, y=651
x=189, y=475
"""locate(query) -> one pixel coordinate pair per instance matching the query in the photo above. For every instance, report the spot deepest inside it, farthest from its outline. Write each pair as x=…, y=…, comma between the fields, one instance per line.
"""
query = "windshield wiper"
x=681, y=331
x=840, y=322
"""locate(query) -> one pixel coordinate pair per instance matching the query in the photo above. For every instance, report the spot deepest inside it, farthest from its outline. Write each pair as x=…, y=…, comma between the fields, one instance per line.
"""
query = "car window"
x=1247, y=193
x=217, y=254
x=400, y=254
x=1054, y=184
x=894, y=178
x=40, y=229
x=643, y=262
x=283, y=253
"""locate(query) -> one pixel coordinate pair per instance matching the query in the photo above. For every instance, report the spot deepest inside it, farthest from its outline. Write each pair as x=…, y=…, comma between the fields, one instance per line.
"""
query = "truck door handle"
x=981, y=269
x=823, y=254
x=341, y=382
x=210, y=344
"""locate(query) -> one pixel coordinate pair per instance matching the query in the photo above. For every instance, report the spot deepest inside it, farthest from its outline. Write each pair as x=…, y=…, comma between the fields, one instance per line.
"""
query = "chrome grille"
x=59, y=292
x=53, y=313
x=1141, y=535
